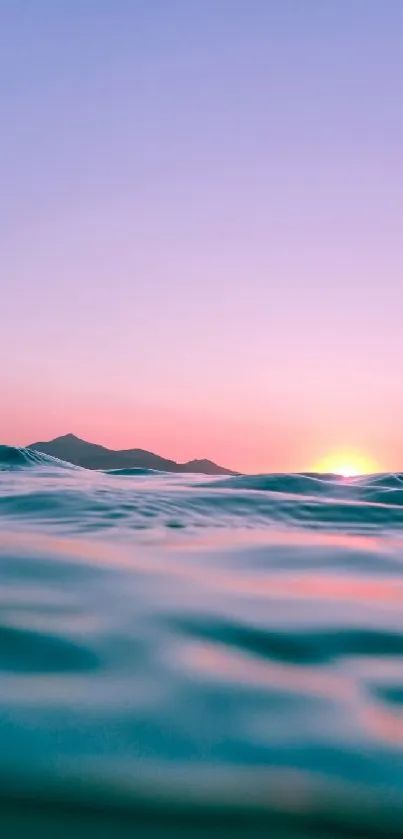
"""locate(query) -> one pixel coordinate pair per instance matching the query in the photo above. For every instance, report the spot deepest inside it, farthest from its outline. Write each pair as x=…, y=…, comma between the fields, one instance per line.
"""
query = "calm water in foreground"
x=183, y=657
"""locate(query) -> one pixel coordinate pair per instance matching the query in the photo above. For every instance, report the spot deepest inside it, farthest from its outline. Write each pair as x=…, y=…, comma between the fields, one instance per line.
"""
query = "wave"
x=144, y=499
x=374, y=489
x=294, y=483
x=12, y=457
x=90, y=501
x=133, y=472
x=326, y=485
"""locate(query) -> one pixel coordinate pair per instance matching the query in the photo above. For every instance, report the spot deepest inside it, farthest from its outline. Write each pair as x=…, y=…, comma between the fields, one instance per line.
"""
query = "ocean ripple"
x=181, y=656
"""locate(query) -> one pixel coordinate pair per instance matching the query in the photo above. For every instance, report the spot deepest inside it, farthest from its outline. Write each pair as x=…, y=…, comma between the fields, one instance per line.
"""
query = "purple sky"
x=201, y=227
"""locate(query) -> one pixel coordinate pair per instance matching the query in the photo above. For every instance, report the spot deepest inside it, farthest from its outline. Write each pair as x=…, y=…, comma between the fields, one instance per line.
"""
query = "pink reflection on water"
x=221, y=663
x=149, y=556
x=384, y=723
x=314, y=586
x=221, y=538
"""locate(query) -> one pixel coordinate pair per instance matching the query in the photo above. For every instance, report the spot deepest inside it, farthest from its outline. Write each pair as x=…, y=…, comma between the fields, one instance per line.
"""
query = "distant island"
x=92, y=456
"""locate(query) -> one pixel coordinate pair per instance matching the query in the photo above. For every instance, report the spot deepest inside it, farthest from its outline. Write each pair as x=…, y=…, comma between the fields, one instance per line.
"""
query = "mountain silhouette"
x=92, y=456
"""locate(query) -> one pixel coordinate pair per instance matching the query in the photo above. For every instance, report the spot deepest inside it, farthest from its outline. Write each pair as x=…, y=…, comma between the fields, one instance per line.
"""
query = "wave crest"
x=12, y=457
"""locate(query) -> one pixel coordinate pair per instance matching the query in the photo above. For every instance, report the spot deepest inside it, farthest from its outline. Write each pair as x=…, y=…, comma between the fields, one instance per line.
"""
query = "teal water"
x=182, y=656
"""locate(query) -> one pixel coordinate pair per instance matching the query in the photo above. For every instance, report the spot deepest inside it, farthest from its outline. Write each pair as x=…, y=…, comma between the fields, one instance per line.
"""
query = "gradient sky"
x=201, y=227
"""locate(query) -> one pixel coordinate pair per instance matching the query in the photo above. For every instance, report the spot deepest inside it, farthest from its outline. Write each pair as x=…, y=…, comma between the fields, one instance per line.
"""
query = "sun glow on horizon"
x=347, y=464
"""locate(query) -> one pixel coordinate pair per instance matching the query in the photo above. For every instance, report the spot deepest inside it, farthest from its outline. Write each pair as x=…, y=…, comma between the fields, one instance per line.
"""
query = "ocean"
x=183, y=656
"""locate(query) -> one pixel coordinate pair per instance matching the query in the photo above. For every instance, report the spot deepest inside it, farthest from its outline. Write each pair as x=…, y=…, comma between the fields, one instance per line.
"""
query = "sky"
x=201, y=227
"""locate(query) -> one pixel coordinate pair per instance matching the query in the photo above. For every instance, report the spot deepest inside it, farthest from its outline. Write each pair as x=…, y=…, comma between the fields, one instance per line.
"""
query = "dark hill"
x=73, y=450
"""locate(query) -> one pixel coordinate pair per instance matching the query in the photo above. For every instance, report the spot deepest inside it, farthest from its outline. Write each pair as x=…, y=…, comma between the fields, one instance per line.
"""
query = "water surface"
x=182, y=656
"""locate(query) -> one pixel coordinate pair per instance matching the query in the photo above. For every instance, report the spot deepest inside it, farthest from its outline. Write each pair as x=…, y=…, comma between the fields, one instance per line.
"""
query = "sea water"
x=183, y=656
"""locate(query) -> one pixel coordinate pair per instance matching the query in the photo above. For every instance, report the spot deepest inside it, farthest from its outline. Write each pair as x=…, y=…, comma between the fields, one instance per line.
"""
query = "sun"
x=347, y=464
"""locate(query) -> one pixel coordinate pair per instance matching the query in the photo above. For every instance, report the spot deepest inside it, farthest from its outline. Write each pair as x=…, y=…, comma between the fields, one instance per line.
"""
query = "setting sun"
x=347, y=464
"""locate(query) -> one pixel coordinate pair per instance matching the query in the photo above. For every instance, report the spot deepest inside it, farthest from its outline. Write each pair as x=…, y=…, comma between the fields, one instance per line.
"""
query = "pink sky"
x=201, y=229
